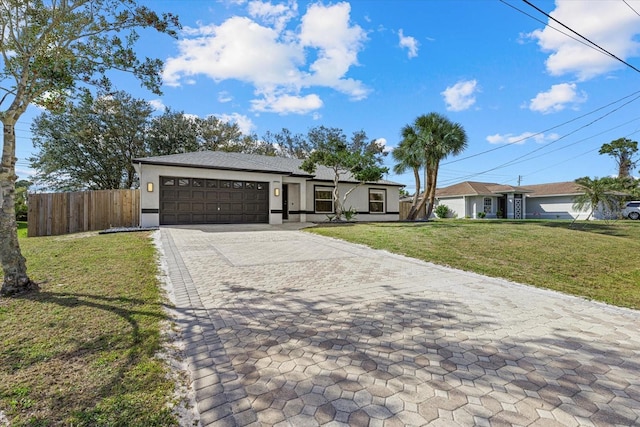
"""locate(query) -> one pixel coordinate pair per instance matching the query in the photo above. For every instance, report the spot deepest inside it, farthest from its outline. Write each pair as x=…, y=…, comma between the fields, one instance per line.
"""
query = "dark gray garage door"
x=212, y=201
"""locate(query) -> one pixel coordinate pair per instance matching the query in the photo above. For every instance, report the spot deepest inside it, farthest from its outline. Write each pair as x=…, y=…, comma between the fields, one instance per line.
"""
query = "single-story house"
x=214, y=187
x=542, y=201
x=466, y=199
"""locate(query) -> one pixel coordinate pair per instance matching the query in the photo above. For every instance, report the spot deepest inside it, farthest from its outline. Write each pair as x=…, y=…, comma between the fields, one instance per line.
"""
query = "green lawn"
x=598, y=260
x=82, y=351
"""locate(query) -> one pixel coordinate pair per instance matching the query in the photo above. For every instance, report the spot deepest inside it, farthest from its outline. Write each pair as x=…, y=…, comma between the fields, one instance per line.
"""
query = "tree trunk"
x=14, y=265
x=414, y=205
x=420, y=206
x=432, y=189
x=337, y=206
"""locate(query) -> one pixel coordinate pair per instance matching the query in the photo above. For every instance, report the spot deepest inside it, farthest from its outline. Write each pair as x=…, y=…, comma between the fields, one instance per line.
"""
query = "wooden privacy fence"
x=52, y=214
x=405, y=207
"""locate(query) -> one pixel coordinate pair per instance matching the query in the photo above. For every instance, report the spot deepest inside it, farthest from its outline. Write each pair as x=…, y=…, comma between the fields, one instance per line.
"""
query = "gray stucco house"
x=542, y=201
x=214, y=187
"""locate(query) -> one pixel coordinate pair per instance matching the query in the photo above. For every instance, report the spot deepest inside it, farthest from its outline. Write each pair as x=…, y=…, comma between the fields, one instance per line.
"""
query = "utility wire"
x=546, y=24
x=519, y=159
x=606, y=52
x=631, y=7
x=542, y=132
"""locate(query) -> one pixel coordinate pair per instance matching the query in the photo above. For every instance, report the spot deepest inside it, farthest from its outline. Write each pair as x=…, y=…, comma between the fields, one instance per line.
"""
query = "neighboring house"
x=543, y=201
x=213, y=187
x=466, y=199
x=555, y=201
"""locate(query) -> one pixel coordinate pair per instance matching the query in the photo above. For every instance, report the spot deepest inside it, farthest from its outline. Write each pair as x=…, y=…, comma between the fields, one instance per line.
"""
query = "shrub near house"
x=22, y=187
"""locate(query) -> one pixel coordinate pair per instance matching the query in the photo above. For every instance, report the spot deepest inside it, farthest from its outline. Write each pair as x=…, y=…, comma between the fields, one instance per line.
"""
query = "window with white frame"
x=376, y=200
x=488, y=204
x=324, y=199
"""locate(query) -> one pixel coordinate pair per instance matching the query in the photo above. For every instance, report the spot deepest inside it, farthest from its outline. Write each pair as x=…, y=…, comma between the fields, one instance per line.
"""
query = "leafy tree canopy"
x=357, y=157
x=286, y=144
x=623, y=151
x=50, y=51
x=92, y=144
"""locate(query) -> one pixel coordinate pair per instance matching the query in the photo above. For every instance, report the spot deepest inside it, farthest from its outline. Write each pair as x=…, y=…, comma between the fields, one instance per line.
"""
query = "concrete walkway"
x=291, y=329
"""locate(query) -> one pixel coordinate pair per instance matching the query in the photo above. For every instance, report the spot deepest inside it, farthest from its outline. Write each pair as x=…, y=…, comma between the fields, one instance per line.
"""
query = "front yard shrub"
x=442, y=211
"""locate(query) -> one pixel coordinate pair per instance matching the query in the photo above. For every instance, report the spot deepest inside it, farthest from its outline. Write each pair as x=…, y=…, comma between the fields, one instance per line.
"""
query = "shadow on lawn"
x=80, y=351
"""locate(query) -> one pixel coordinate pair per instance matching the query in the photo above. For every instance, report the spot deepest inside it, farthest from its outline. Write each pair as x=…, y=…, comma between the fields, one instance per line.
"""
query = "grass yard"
x=598, y=260
x=82, y=351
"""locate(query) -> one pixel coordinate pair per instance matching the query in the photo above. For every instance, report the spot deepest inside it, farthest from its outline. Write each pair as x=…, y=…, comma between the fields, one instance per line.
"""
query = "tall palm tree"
x=603, y=191
x=439, y=138
x=409, y=155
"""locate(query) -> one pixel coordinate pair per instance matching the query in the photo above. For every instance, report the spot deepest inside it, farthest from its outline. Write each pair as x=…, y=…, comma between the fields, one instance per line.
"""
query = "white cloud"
x=244, y=123
x=609, y=24
x=285, y=104
x=460, y=96
x=277, y=15
x=409, y=43
x=272, y=58
x=337, y=43
x=384, y=144
x=557, y=98
x=157, y=104
x=224, y=96
x=509, y=138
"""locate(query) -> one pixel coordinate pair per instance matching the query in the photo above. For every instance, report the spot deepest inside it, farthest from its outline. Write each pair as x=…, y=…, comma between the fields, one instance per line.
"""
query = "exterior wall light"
x=150, y=187
x=276, y=191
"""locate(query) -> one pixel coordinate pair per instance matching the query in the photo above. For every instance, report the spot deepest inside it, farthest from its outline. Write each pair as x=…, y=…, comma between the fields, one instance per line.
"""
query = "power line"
x=544, y=131
x=631, y=7
x=603, y=50
x=582, y=154
x=546, y=24
x=520, y=158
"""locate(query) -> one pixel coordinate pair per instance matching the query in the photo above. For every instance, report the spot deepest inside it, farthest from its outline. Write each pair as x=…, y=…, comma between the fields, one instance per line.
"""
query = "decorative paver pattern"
x=286, y=328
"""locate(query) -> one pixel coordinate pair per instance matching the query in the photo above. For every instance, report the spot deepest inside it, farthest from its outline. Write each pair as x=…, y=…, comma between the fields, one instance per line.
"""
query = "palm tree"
x=409, y=155
x=438, y=137
x=596, y=192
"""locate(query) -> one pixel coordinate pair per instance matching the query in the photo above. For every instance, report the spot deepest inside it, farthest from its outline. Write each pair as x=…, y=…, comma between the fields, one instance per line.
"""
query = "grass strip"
x=82, y=351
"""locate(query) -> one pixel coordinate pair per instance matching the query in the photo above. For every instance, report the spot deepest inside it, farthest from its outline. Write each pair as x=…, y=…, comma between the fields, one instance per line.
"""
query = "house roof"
x=248, y=163
x=568, y=188
x=472, y=188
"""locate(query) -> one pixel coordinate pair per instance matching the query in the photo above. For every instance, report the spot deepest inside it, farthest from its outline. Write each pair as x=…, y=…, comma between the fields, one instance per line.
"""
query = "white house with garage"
x=541, y=201
x=214, y=187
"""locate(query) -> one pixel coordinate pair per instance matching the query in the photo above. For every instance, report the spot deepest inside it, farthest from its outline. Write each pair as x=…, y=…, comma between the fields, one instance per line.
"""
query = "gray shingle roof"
x=246, y=162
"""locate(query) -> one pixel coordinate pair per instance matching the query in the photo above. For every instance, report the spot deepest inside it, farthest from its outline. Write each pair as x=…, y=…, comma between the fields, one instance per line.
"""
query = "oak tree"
x=91, y=145
x=51, y=50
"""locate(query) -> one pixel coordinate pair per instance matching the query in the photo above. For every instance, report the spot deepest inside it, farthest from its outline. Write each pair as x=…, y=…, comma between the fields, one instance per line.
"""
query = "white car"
x=631, y=210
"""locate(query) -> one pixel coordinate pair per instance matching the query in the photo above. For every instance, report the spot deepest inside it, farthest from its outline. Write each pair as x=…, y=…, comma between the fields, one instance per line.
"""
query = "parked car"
x=631, y=210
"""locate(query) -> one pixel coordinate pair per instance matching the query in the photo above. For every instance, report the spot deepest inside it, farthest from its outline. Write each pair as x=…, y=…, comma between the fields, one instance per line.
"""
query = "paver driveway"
x=287, y=328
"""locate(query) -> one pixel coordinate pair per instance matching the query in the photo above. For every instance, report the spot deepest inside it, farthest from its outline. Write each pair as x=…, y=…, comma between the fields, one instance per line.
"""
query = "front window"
x=376, y=201
x=488, y=204
x=324, y=200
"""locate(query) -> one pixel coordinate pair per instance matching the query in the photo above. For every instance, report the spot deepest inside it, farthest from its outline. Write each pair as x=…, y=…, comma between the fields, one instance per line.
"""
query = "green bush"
x=442, y=211
x=350, y=214
x=21, y=204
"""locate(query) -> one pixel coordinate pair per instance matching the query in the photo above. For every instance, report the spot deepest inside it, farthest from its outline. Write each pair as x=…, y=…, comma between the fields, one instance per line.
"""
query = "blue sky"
x=536, y=104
